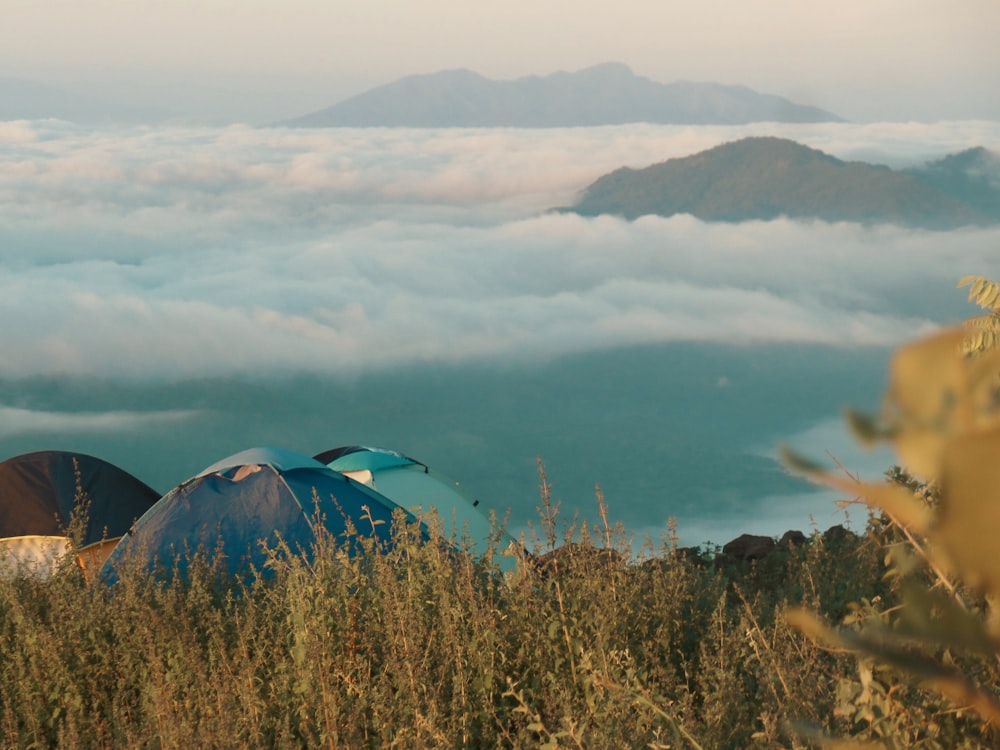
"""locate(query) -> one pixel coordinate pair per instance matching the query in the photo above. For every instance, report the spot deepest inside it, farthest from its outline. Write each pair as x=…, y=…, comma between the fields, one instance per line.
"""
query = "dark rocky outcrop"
x=837, y=534
x=744, y=550
x=793, y=538
x=749, y=547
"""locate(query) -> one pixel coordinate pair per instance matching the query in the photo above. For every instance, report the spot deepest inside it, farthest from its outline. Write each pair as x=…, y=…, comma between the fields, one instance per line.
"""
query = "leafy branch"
x=941, y=414
x=983, y=331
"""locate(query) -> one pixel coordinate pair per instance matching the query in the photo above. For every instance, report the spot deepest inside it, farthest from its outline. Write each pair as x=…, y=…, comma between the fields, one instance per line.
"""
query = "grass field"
x=591, y=646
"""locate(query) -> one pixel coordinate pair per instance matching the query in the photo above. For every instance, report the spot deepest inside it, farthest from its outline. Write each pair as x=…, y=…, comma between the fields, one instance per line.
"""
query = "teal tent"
x=415, y=487
x=261, y=495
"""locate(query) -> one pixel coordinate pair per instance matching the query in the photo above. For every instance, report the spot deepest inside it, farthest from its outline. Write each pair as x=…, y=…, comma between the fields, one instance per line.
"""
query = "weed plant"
x=416, y=645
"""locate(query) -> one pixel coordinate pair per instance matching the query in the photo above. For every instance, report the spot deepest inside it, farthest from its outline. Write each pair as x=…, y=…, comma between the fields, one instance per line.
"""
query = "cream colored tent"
x=39, y=495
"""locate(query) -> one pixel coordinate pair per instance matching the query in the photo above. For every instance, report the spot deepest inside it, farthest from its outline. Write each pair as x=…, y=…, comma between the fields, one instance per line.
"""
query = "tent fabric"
x=93, y=556
x=40, y=556
x=364, y=458
x=412, y=485
x=38, y=494
x=278, y=458
x=35, y=555
x=260, y=495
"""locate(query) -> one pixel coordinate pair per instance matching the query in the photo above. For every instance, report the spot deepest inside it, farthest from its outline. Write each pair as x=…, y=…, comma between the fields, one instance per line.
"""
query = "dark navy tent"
x=39, y=493
x=258, y=495
x=415, y=487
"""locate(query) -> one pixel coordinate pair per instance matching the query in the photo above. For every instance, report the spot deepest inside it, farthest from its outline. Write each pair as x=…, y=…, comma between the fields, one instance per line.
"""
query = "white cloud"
x=17, y=131
x=16, y=421
x=183, y=252
x=830, y=443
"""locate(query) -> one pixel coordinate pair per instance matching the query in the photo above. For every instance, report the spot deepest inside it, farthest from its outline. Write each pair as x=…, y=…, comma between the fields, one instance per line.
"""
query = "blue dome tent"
x=415, y=487
x=258, y=495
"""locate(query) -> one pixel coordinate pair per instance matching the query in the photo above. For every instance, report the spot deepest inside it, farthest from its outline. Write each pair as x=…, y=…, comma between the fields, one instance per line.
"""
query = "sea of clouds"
x=149, y=255
x=163, y=253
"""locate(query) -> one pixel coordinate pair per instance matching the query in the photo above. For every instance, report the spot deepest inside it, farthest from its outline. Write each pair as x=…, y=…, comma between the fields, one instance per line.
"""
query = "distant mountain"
x=971, y=176
x=608, y=94
x=22, y=99
x=765, y=177
x=27, y=100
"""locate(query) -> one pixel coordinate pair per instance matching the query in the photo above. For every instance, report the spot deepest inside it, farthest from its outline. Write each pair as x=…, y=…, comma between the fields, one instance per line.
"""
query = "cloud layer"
x=168, y=253
x=17, y=421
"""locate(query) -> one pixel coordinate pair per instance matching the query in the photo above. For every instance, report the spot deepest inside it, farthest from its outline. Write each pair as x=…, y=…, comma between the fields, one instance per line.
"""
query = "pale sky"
x=863, y=59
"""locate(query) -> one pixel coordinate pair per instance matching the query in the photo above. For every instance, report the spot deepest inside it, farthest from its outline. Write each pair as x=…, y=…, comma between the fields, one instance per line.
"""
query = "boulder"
x=836, y=534
x=793, y=538
x=749, y=547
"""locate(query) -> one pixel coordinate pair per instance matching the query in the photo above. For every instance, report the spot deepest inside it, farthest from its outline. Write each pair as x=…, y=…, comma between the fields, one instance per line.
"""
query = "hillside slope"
x=763, y=178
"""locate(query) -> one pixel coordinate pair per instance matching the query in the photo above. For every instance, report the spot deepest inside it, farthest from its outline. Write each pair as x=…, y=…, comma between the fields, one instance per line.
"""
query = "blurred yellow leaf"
x=984, y=388
x=811, y=626
x=936, y=616
x=900, y=503
x=866, y=429
x=919, y=449
x=969, y=518
x=894, y=499
x=925, y=377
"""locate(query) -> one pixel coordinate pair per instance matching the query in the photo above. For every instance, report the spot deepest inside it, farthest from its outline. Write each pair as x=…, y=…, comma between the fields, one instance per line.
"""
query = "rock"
x=793, y=538
x=836, y=534
x=749, y=547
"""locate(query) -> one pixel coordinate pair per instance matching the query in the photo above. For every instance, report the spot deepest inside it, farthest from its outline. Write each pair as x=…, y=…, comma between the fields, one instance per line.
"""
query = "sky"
x=260, y=60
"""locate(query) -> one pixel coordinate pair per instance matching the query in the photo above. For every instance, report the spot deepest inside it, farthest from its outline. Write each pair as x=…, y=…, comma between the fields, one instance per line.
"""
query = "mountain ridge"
x=605, y=94
x=765, y=177
x=24, y=99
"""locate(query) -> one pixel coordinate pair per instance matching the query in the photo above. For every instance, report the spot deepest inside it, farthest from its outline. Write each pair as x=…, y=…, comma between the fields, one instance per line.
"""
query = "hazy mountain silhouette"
x=608, y=94
x=765, y=177
x=26, y=100
x=971, y=176
x=22, y=99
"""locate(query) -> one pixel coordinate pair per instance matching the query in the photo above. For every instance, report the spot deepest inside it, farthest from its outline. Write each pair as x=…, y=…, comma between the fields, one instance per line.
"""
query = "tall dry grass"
x=420, y=646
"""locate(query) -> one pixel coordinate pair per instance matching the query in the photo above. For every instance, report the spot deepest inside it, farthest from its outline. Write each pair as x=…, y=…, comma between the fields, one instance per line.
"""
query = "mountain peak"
x=608, y=69
x=605, y=94
x=762, y=178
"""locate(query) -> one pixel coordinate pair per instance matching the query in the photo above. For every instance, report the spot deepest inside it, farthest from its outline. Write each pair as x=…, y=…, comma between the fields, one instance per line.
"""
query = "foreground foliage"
x=983, y=331
x=422, y=647
x=942, y=416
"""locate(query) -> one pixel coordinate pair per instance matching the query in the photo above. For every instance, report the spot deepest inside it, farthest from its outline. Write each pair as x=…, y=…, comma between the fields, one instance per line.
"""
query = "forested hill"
x=763, y=178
